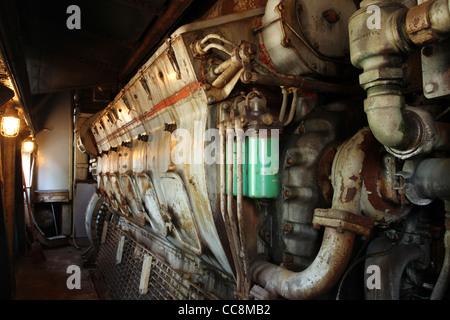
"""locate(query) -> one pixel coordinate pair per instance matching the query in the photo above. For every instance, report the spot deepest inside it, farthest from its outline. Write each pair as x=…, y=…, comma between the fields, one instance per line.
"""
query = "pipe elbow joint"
x=405, y=132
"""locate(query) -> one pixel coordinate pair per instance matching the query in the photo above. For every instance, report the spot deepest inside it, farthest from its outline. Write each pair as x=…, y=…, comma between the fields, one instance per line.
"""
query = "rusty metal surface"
x=418, y=23
x=436, y=69
x=342, y=220
x=291, y=34
x=139, y=174
x=225, y=7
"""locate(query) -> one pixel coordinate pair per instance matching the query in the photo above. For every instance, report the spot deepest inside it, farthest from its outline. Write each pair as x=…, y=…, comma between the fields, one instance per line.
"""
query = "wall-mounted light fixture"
x=28, y=145
x=10, y=123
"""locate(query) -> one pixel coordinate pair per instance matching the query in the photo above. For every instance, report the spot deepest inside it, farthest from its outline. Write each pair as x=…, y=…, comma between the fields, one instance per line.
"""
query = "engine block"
x=241, y=158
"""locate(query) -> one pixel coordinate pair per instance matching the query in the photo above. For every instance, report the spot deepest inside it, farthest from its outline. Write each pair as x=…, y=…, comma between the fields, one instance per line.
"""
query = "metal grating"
x=123, y=278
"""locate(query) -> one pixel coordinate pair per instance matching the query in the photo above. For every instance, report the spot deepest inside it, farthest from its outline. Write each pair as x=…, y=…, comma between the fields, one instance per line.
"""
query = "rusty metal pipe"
x=236, y=220
x=293, y=107
x=404, y=133
x=239, y=199
x=230, y=214
x=217, y=37
x=223, y=196
x=221, y=67
x=283, y=104
x=428, y=22
x=439, y=14
x=319, y=277
x=336, y=249
x=227, y=73
x=222, y=170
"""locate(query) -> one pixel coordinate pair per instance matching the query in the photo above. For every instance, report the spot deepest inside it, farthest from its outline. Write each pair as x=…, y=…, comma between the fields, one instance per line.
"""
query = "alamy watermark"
x=74, y=280
x=265, y=150
x=74, y=20
x=373, y=281
x=374, y=21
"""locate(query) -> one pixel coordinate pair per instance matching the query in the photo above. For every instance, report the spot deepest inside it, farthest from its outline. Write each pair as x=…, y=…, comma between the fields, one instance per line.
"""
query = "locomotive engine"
x=297, y=150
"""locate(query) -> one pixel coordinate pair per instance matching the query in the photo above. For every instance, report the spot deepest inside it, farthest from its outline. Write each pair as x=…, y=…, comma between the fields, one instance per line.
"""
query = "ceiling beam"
x=154, y=35
x=142, y=5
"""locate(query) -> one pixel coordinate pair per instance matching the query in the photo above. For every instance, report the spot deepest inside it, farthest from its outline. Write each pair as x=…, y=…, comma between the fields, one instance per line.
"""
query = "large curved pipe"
x=318, y=278
x=337, y=245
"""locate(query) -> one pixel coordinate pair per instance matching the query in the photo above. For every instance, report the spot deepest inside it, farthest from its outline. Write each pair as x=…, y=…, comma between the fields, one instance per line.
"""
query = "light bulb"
x=28, y=146
x=10, y=126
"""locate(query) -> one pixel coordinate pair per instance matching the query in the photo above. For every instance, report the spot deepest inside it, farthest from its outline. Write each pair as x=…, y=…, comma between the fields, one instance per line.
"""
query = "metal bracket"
x=435, y=66
x=342, y=220
x=259, y=293
x=405, y=183
x=120, y=249
x=145, y=274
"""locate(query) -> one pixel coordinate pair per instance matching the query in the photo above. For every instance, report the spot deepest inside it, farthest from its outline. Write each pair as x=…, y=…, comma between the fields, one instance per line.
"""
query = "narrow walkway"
x=38, y=279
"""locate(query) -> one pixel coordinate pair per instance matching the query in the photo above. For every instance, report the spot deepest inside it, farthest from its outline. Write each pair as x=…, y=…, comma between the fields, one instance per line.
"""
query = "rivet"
x=430, y=87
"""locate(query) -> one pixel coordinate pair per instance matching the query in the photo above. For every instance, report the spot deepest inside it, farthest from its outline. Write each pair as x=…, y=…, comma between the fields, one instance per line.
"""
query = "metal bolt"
x=287, y=193
x=226, y=105
x=430, y=87
x=287, y=228
x=247, y=76
x=251, y=50
x=288, y=259
x=211, y=99
x=286, y=42
x=267, y=119
x=331, y=16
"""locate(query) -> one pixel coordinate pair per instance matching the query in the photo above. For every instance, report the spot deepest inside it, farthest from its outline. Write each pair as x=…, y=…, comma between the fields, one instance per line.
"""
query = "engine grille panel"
x=122, y=278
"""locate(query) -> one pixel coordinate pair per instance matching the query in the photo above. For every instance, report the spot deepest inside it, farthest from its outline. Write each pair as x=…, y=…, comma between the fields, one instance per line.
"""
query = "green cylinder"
x=263, y=166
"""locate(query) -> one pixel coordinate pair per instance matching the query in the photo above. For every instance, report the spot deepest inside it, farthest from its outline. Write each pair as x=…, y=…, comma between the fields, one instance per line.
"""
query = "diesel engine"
x=294, y=150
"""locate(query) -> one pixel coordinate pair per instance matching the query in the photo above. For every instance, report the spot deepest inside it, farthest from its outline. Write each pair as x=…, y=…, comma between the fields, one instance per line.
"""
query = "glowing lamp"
x=28, y=145
x=10, y=123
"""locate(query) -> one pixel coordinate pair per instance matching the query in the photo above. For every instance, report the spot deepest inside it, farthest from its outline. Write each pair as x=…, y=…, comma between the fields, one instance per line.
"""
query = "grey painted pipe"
x=432, y=178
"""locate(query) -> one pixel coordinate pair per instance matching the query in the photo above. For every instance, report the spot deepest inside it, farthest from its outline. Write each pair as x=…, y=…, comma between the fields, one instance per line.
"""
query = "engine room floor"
x=38, y=279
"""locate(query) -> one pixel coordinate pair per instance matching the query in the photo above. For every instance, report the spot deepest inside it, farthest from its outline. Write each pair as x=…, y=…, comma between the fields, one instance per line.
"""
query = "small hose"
x=283, y=105
x=293, y=107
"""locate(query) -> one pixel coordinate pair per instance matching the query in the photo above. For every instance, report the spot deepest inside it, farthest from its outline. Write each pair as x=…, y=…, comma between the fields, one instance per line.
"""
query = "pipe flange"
x=342, y=220
x=426, y=135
